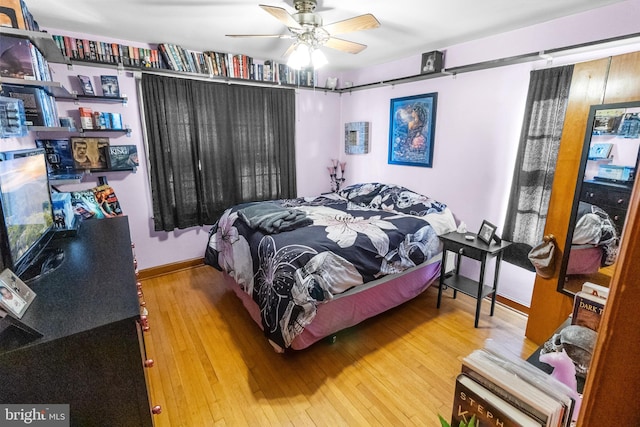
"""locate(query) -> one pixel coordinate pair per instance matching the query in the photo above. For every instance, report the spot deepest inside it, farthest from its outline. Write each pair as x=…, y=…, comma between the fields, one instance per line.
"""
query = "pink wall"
x=479, y=117
x=478, y=125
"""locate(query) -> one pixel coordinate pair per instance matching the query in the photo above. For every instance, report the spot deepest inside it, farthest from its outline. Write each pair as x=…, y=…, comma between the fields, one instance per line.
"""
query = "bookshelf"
x=43, y=41
x=193, y=64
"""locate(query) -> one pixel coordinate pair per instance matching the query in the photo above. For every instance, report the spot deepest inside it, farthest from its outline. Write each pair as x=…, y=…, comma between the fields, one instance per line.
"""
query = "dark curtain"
x=536, y=161
x=214, y=145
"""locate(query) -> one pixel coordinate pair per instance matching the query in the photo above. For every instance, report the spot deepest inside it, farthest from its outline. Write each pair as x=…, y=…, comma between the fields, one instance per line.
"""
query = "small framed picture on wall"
x=356, y=138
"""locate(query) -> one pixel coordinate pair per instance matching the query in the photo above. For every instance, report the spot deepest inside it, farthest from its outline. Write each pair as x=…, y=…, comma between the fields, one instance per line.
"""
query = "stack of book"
x=504, y=390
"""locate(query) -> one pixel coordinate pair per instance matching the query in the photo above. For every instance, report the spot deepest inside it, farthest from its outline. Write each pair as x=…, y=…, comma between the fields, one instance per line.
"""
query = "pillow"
x=361, y=194
x=403, y=200
x=391, y=197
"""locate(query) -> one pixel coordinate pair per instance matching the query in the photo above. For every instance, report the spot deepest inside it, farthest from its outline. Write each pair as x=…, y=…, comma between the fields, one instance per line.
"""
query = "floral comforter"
x=355, y=236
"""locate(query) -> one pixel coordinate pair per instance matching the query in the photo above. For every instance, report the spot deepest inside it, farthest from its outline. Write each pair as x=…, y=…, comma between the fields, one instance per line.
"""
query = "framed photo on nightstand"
x=487, y=232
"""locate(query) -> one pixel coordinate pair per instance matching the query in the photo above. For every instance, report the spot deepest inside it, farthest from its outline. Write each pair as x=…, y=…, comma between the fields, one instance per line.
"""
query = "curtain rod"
x=511, y=60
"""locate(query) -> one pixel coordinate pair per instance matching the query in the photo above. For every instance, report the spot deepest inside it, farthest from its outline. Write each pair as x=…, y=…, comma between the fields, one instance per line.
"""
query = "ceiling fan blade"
x=281, y=15
x=277, y=36
x=358, y=23
x=344, y=45
x=289, y=51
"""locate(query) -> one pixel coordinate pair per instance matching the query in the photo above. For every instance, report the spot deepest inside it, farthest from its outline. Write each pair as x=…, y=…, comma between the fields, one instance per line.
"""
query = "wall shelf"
x=75, y=97
x=54, y=89
x=49, y=129
x=138, y=71
x=43, y=41
x=512, y=60
x=78, y=131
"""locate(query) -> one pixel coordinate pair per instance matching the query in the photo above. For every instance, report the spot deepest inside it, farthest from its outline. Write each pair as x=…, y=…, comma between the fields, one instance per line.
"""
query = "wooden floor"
x=214, y=367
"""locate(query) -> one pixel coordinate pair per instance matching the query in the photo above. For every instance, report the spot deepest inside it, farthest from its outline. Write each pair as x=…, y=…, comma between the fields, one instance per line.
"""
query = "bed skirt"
x=349, y=309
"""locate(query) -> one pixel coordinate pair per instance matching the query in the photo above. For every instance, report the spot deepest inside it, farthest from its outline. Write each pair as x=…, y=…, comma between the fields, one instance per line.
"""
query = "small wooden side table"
x=474, y=249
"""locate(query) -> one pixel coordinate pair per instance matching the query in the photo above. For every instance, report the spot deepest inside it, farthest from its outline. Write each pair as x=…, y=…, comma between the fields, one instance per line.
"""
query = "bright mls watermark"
x=36, y=415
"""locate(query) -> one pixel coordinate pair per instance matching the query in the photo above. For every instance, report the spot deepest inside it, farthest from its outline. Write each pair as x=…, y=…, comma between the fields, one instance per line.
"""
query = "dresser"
x=613, y=198
x=91, y=355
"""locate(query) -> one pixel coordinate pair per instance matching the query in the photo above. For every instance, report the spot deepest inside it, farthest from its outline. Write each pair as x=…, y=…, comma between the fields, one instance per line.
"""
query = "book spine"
x=155, y=62
x=165, y=56
x=176, y=57
x=86, y=47
x=60, y=43
x=80, y=48
x=136, y=56
x=35, y=67
x=86, y=118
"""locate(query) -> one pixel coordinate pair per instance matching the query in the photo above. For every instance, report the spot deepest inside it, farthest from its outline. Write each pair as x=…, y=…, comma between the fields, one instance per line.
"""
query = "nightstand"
x=474, y=249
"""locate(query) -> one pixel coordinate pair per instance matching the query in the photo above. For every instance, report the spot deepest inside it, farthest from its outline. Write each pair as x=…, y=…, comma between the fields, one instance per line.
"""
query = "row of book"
x=235, y=66
x=173, y=57
x=68, y=158
x=40, y=108
x=15, y=14
x=107, y=52
x=504, y=390
x=70, y=208
x=21, y=59
x=99, y=120
x=272, y=71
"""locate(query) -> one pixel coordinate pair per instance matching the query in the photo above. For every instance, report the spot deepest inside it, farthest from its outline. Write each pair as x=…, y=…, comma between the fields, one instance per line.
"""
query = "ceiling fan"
x=306, y=28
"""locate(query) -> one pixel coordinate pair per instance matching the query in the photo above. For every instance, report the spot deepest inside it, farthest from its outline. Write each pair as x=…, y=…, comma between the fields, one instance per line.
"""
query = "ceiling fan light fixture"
x=318, y=59
x=300, y=57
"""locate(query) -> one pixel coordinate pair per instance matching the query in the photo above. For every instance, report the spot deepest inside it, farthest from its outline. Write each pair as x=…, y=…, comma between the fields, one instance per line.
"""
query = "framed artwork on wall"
x=412, y=124
x=356, y=138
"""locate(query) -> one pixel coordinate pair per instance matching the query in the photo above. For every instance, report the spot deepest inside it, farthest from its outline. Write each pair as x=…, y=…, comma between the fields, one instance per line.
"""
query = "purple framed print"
x=412, y=125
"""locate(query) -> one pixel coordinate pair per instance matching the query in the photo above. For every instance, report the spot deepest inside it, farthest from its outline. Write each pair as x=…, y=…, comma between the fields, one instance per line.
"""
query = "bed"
x=306, y=268
x=595, y=241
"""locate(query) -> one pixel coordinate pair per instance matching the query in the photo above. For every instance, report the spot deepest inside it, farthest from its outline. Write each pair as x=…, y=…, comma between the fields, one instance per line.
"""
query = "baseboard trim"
x=161, y=270
x=513, y=305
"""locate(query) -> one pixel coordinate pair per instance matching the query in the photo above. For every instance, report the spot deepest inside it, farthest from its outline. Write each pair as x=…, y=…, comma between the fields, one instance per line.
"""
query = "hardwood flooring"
x=213, y=366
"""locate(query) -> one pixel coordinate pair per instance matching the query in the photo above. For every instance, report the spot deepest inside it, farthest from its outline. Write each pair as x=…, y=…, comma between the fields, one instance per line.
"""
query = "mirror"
x=605, y=182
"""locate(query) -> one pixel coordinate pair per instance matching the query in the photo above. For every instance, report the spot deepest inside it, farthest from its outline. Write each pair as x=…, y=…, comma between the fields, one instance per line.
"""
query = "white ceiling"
x=408, y=27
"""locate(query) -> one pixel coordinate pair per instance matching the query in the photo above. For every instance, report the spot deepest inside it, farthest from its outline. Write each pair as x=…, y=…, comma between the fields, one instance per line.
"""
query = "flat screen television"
x=25, y=207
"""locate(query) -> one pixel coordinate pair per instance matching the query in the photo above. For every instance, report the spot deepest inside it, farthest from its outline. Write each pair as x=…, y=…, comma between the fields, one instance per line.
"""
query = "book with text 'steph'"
x=471, y=398
x=524, y=386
